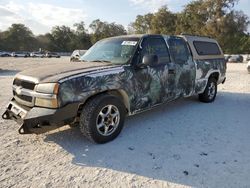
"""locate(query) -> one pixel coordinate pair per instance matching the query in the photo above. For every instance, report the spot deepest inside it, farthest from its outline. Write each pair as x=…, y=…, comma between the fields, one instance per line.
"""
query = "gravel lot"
x=181, y=144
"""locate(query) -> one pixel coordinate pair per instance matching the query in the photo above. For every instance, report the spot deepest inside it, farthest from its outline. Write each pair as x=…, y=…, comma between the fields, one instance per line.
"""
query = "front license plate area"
x=17, y=110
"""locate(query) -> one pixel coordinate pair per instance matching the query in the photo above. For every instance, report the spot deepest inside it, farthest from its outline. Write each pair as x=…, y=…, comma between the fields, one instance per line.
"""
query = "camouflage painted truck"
x=117, y=77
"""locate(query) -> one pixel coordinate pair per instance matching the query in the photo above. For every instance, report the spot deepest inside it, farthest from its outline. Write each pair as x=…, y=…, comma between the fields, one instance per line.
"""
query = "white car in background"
x=20, y=54
x=75, y=56
x=37, y=54
x=5, y=54
x=52, y=54
x=248, y=67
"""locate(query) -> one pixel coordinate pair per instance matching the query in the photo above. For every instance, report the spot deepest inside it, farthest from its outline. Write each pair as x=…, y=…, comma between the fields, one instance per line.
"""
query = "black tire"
x=91, y=113
x=210, y=92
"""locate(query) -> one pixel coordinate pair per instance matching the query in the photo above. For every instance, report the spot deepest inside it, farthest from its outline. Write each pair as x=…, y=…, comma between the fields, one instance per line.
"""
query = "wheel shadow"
x=184, y=142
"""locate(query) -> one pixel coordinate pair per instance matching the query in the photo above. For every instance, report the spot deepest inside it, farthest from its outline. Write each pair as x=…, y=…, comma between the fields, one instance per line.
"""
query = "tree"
x=229, y=30
x=245, y=44
x=164, y=21
x=142, y=24
x=1, y=41
x=161, y=22
x=82, y=39
x=61, y=39
x=102, y=30
x=44, y=41
x=19, y=37
x=192, y=19
x=226, y=25
x=215, y=18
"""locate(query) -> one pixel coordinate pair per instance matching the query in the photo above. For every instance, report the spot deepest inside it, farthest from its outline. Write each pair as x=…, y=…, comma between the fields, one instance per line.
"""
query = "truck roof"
x=209, y=45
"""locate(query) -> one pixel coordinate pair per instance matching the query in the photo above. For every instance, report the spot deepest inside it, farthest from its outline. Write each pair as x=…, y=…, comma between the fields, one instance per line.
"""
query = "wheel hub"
x=108, y=120
x=211, y=90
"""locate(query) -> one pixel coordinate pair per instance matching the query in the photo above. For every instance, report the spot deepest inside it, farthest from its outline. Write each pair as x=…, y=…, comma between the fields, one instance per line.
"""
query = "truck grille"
x=21, y=98
x=24, y=84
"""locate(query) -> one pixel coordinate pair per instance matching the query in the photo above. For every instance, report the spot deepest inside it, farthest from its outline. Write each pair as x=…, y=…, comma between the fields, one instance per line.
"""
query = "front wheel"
x=102, y=118
x=210, y=92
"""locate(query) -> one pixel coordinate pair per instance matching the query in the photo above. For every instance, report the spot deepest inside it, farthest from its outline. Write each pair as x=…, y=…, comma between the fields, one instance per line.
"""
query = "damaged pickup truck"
x=117, y=77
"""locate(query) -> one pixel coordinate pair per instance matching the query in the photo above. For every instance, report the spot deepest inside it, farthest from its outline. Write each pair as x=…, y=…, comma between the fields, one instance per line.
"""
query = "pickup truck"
x=117, y=77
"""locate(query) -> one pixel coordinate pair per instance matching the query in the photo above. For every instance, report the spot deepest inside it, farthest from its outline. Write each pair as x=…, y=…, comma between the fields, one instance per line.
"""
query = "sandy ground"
x=181, y=144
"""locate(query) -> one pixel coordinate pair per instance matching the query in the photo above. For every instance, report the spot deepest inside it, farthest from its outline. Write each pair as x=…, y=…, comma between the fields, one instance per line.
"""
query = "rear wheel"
x=210, y=92
x=102, y=118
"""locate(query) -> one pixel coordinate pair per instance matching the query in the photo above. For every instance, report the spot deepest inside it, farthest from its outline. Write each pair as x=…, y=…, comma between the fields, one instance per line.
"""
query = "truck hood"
x=55, y=72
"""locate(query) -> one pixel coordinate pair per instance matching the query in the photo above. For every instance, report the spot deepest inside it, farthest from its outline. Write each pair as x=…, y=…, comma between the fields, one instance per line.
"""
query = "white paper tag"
x=129, y=43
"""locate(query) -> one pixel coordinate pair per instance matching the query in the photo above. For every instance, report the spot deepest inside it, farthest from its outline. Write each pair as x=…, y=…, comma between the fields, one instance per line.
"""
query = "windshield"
x=115, y=50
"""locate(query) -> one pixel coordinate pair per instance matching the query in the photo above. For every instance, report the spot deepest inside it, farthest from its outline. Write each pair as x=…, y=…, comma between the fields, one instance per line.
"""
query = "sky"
x=41, y=15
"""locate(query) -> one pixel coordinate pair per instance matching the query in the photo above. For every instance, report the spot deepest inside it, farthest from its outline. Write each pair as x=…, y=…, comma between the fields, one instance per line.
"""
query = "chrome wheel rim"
x=108, y=120
x=211, y=90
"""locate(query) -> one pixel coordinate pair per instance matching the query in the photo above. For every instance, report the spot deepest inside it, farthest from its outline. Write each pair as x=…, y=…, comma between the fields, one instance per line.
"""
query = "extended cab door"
x=182, y=66
x=151, y=80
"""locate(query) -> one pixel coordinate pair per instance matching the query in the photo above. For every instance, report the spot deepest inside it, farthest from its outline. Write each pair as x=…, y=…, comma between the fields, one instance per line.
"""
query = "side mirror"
x=149, y=60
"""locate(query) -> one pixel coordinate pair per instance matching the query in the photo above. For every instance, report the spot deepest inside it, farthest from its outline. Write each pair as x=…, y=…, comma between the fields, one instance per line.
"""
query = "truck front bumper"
x=39, y=120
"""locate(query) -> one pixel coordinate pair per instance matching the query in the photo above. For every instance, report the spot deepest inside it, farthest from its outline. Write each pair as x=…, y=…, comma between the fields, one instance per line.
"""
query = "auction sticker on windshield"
x=129, y=43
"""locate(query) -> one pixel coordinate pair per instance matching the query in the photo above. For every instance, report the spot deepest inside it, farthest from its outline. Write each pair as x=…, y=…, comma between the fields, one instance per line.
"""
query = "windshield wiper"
x=105, y=61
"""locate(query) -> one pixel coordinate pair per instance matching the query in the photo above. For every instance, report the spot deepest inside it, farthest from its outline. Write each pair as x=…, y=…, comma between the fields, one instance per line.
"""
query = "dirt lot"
x=181, y=144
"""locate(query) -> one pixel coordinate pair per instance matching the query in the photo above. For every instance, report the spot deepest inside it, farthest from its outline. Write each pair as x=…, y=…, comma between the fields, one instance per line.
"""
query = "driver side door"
x=151, y=80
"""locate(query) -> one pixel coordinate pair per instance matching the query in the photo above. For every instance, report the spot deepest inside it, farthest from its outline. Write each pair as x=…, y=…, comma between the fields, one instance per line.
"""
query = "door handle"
x=171, y=71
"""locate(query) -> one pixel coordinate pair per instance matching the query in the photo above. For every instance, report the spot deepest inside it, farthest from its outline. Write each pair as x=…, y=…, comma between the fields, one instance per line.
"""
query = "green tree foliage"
x=192, y=19
x=82, y=39
x=244, y=45
x=18, y=37
x=164, y=22
x=61, y=39
x=102, y=30
x=43, y=41
x=142, y=24
x=215, y=18
x=1, y=41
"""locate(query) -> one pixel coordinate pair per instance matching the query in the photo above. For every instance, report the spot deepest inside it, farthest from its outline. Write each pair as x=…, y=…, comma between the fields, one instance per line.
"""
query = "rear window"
x=206, y=48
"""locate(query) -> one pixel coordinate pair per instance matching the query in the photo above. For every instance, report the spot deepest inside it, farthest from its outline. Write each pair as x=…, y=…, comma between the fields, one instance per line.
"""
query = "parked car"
x=75, y=57
x=248, y=66
x=5, y=54
x=52, y=54
x=37, y=54
x=20, y=54
x=236, y=59
x=118, y=77
x=248, y=58
x=227, y=57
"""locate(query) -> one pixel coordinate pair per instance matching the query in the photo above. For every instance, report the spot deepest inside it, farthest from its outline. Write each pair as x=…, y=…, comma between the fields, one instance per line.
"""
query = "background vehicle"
x=20, y=54
x=248, y=58
x=37, y=54
x=76, y=55
x=52, y=54
x=227, y=57
x=248, y=66
x=236, y=59
x=118, y=77
x=5, y=54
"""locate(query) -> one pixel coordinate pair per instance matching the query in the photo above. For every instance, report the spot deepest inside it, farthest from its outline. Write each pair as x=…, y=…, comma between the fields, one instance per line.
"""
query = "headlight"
x=50, y=88
x=49, y=103
x=48, y=95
